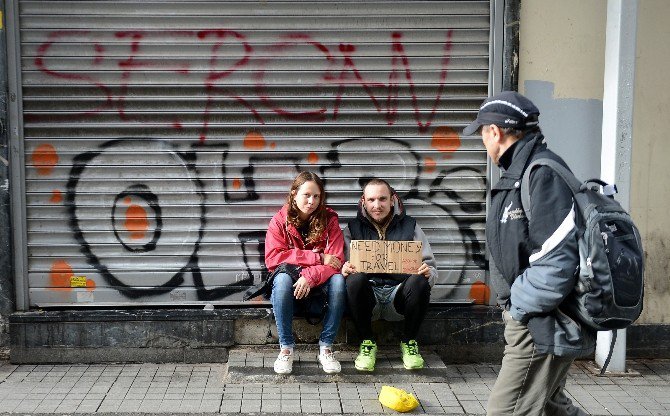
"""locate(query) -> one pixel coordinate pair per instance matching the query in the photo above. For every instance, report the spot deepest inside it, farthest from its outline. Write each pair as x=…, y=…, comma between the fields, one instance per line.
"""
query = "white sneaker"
x=284, y=364
x=329, y=363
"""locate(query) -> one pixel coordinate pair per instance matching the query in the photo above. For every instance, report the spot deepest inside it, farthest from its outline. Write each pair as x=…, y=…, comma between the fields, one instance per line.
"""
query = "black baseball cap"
x=507, y=109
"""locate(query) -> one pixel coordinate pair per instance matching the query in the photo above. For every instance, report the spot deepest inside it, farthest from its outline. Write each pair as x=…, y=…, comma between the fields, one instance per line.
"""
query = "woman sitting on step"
x=306, y=233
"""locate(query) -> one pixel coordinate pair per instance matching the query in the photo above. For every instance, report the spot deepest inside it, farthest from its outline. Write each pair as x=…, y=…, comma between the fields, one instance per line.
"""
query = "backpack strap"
x=609, y=355
x=567, y=176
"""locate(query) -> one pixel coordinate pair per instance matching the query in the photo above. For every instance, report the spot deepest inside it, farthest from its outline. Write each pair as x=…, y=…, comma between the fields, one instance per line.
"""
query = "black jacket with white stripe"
x=537, y=261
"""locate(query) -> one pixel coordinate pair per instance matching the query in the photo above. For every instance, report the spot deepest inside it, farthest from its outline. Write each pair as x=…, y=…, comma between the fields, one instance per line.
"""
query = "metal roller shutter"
x=161, y=136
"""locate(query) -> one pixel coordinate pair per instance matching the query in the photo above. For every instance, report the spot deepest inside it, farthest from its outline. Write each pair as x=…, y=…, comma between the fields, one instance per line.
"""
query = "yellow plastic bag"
x=397, y=399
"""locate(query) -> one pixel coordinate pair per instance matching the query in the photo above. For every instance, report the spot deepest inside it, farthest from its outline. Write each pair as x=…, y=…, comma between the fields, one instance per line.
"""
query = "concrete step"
x=255, y=365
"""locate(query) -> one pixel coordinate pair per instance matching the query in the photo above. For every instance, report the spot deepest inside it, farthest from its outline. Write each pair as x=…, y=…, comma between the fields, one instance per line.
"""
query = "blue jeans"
x=283, y=301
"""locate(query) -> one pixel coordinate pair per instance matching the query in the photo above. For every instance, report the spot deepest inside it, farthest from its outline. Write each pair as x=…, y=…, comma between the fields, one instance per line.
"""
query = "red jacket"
x=283, y=244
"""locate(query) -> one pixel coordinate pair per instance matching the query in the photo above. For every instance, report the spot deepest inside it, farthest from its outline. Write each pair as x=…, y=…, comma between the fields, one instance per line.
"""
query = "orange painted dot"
x=136, y=222
x=127, y=200
x=430, y=164
x=254, y=140
x=237, y=184
x=480, y=293
x=273, y=145
x=44, y=159
x=60, y=275
x=56, y=197
x=90, y=285
x=445, y=139
x=312, y=158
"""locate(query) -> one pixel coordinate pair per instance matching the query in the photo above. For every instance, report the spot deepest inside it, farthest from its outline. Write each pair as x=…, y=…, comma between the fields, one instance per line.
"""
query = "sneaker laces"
x=412, y=348
x=367, y=350
x=329, y=356
x=284, y=357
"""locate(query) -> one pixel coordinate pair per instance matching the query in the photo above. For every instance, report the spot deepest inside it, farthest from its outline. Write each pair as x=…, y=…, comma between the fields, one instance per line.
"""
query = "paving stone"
x=371, y=406
x=46, y=407
x=129, y=405
x=352, y=406
x=271, y=397
x=348, y=394
x=473, y=407
x=457, y=410
x=150, y=405
x=273, y=405
x=109, y=405
x=189, y=406
x=309, y=388
x=193, y=396
x=86, y=409
x=173, y=396
x=27, y=406
x=67, y=406
x=434, y=410
x=211, y=406
x=331, y=406
x=169, y=405
x=466, y=397
x=290, y=406
x=248, y=406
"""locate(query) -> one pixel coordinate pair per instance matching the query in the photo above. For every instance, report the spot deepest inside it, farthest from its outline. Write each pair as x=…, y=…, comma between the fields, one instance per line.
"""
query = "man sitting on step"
x=393, y=297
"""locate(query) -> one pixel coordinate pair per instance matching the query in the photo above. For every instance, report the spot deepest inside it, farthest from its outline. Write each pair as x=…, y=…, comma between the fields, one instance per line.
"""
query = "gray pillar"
x=621, y=36
x=6, y=283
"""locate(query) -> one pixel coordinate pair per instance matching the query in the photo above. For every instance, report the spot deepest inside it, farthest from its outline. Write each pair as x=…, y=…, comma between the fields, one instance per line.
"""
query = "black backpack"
x=610, y=285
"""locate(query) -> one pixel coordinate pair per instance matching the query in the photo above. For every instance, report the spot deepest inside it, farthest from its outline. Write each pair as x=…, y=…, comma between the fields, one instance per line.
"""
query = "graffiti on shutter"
x=159, y=146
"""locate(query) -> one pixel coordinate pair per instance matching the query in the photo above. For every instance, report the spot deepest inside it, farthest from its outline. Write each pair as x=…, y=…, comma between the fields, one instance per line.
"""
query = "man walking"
x=537, y=260
x=393, y=297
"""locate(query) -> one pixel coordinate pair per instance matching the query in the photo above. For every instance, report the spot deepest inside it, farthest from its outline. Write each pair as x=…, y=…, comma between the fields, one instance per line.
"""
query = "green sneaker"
x=367, y=356
x=411, y=359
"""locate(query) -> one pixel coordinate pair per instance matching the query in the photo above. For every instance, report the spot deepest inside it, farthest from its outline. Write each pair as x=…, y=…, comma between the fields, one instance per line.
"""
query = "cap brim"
x=472, y=128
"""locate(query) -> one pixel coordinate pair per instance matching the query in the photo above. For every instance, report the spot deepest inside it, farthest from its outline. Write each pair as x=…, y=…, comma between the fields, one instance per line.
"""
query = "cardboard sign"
x=380, y=256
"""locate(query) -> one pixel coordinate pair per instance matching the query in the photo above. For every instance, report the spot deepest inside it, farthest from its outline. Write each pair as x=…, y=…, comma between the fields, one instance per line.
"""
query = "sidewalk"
x=251, y=387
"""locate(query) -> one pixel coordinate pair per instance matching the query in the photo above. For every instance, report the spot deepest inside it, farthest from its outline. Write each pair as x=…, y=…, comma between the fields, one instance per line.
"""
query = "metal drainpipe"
x=615, y=158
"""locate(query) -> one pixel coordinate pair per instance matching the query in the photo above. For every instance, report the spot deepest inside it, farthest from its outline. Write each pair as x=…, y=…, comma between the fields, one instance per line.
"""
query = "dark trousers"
x=411, y=301
x=529, y=383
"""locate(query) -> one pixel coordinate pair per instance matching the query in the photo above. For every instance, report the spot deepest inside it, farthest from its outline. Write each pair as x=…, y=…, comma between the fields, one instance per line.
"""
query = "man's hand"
x=301, y=288
x=330, y=260
x=348, y=269
x=424, y=269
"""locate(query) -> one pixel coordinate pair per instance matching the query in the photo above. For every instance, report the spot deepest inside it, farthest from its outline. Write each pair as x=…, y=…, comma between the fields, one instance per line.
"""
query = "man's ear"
x=497, y=133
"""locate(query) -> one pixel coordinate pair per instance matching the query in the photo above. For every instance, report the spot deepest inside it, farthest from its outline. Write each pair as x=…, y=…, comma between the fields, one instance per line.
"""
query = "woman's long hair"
x=318, y=220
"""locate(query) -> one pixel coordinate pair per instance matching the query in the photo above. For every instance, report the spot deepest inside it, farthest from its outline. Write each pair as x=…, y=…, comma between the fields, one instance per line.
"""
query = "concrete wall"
x=650, y=181
x=561, y=61
x=562, y=50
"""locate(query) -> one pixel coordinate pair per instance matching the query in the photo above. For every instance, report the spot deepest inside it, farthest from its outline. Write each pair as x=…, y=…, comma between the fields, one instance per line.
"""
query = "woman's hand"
x=301, y=288
x=332, y=261
x=348, y=269
x=424, y=269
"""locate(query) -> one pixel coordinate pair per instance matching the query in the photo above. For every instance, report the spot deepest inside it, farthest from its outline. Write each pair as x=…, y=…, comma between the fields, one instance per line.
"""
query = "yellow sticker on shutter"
x=78, y=281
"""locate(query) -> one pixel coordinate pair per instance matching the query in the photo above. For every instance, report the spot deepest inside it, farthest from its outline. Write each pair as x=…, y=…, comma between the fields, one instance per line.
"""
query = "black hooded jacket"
x=537, y=260
x=402, y=227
